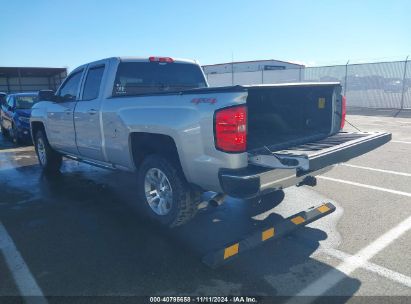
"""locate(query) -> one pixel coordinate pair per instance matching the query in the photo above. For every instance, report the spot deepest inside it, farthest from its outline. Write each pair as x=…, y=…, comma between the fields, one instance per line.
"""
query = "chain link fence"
x=369, y=85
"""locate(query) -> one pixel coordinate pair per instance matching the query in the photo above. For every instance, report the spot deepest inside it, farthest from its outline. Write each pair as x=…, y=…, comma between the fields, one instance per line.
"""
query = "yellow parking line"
x=323, y=208
x=297, y=220
x=267, y=234
x=230, y=251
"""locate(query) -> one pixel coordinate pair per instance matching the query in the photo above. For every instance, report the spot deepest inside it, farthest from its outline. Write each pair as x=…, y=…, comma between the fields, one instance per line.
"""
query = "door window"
x=93, y=82
x=68, y=91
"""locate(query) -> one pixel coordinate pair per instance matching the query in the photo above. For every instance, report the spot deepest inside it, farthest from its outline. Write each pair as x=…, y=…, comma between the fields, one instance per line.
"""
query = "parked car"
x=157, y=117
x=394, y=85
x=15, y=116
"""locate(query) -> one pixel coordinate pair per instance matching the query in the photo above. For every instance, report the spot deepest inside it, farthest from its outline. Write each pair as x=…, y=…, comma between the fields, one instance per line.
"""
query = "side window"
x=93, y=81
x=68, y=91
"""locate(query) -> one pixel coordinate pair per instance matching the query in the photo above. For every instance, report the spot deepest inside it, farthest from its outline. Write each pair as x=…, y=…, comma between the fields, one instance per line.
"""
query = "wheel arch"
x=36, y=126
x=143, y=144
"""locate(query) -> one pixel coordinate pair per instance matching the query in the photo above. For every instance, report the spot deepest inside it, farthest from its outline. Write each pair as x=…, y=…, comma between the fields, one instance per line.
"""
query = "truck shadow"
x=82, y=235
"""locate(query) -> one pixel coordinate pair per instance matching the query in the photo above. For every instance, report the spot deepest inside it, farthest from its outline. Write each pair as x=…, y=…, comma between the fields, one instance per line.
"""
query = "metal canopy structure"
x=24, y=79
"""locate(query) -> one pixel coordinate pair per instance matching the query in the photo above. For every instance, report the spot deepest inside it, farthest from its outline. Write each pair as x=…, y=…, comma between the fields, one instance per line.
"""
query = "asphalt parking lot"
x=80, y=233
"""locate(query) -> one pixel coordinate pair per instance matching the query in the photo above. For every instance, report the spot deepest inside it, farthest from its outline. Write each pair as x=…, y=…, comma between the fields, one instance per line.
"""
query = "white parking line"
x=381, y=271
x=352, y=263
x=378, y=170
x=401, y=142
x=22, y=276
x=365, y=186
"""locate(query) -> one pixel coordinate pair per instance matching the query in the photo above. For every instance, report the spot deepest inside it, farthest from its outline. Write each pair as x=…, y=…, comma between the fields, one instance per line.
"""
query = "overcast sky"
x=69, y=33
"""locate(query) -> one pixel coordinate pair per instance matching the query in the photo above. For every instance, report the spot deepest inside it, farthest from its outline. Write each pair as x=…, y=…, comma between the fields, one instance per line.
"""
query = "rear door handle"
x=92, y=111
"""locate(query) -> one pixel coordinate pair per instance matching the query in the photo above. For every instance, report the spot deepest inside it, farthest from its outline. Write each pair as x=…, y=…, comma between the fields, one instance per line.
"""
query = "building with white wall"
x=253, y=72
x=249, y=66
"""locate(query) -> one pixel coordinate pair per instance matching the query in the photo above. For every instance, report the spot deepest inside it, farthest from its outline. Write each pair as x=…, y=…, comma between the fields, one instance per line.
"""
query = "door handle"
x=68, y=111
x=92, y=111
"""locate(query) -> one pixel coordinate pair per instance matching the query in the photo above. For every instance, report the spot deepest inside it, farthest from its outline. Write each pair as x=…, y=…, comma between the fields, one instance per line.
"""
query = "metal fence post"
x=262, y=76
x=403, y=83
x=19, y=78
x=8, y=85
x=346, y=75
x=299, y=74
x=232, y=68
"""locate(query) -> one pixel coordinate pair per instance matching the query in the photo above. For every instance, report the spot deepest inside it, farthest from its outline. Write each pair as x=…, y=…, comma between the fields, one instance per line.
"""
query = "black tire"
x=185, y=201
x=52, y=160
x=4, y=132
x=14, y=135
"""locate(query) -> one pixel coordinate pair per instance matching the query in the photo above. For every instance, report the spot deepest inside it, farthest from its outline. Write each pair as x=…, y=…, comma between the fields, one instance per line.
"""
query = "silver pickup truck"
x=157, y=117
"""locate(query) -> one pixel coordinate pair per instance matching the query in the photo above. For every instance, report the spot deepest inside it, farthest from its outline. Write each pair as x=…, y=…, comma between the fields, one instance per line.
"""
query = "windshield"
x=135, y=78
x=26, y=101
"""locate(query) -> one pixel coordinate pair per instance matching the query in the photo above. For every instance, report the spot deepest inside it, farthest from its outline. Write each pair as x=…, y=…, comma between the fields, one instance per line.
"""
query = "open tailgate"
x=319, y=154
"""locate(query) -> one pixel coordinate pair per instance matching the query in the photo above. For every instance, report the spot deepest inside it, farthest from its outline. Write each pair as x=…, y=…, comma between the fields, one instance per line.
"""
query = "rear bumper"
x=255, y=180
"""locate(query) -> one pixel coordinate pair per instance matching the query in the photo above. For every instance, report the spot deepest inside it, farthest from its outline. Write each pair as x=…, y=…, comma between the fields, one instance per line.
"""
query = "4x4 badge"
x=204, y=100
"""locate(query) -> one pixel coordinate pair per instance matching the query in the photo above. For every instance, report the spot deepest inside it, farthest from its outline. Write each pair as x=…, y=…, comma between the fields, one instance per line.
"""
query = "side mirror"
x=46, y=95
x=10, y=108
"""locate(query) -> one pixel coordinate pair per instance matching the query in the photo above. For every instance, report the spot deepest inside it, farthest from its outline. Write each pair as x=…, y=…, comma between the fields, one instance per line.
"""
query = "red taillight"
x=231, y=129
x=161, y=59
x=343, y=111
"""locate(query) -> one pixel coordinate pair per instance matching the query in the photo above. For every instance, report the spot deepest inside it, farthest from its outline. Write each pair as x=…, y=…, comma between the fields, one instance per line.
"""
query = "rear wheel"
x=49, y=159
x=165, y=195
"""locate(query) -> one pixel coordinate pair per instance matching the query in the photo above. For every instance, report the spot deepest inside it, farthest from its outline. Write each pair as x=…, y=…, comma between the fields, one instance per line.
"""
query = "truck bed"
x=280, y=116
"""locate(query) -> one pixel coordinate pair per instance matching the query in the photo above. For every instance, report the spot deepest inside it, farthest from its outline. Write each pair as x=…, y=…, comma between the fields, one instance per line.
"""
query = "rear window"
x=134, y=78
x=26, y=101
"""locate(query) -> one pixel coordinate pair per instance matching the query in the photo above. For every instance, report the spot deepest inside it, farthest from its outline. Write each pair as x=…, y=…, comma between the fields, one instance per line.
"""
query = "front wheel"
x=4, y=131
x=165, y=195
x=49, y=159
x=14, y=135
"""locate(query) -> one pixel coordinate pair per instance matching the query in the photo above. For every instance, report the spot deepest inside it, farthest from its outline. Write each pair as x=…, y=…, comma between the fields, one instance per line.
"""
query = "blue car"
x=15, y=116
